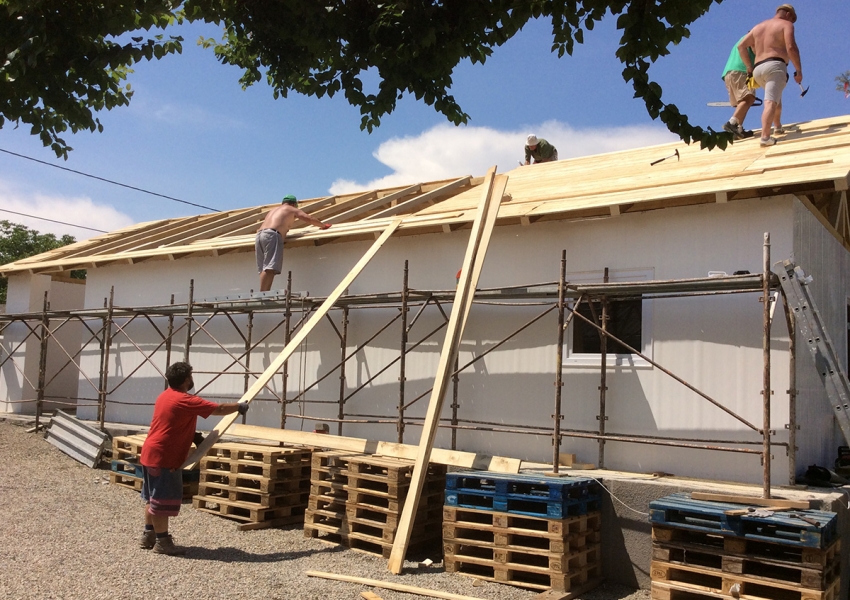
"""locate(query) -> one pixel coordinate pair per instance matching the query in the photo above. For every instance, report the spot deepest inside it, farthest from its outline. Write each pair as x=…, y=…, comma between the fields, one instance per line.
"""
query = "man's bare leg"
x=777, y=117
x=741, y=109
x=767, y=118
x=266, y=279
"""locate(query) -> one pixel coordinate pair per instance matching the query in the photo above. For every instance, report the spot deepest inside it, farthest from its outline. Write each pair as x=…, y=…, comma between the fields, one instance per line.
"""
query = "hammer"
x=803, y=92
x=676, y=154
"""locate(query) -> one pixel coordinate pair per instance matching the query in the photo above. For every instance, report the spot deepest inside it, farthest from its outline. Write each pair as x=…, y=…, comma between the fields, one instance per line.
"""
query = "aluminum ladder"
x=810, y=325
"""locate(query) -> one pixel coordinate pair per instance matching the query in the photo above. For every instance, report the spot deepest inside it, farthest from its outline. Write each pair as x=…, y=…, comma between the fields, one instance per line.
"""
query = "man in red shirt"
x=175, y=416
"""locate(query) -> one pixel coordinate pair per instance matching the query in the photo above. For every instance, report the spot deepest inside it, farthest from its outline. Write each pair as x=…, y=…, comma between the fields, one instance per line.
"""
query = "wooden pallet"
x=244, y=511
x=748, y=547
x=461, y=534
x=128, y=447
x=689, y=578
x=523, y=505
x=258, y=453
x=515, y=568
x=807, y=576
x=670, y=591
x=214, y=493
x=255, y=483
x=508, y=523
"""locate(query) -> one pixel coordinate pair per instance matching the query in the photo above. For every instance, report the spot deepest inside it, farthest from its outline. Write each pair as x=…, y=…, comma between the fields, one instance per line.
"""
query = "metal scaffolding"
x=192, y=320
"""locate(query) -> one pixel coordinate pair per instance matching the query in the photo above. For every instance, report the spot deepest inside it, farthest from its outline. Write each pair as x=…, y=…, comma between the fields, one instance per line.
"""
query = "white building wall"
x=712, y=342
x=823, y=258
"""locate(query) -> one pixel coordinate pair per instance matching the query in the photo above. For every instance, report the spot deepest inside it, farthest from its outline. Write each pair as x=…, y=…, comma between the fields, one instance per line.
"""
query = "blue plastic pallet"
x=548, y=497
x=681, y=512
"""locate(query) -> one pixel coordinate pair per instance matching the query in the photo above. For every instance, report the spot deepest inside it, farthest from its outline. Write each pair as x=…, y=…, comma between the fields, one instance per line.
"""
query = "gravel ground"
x=68, y=534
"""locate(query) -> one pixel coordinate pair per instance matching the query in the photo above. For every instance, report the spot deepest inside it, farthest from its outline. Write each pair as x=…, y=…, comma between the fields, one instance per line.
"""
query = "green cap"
x=289, y=199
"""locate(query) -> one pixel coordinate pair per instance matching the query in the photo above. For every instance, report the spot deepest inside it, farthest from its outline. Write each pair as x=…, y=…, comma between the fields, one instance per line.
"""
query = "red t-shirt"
x=175, y=416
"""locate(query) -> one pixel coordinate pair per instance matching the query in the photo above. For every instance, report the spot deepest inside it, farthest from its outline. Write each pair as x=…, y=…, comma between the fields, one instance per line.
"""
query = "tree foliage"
x=65, y=60
x=18, y=241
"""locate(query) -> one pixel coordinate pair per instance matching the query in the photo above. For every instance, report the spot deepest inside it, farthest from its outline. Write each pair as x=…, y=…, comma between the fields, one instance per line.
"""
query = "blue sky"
x=191, y=132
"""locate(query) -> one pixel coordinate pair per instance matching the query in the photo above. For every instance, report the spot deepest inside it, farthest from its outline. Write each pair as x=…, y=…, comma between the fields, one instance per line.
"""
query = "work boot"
x=735, y=129
x=165, y=545
x=148, y=539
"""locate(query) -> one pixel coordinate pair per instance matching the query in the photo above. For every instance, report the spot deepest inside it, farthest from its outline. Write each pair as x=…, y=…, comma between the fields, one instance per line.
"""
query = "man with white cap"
x=774, y=44
x=540, y=150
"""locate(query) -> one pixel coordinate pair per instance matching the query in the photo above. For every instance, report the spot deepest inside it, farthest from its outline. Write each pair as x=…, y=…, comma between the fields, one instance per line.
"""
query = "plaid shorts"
x=162, y=489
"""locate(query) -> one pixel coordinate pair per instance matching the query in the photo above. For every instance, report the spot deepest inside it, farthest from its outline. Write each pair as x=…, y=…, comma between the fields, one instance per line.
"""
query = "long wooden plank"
x=473, y=261
x=733, y=499
x=389, y=585
x=453, y=458
x=427, y=196
x=293, y=344
x=367, y=206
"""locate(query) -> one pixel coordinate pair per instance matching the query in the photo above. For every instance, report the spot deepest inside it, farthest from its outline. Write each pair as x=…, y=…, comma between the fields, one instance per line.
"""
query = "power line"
x=109, y=180
x=52, y=221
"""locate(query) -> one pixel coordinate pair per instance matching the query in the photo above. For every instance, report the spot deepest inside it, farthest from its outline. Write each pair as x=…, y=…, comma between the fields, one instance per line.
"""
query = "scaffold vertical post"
x=104, y=357
x=402, y=360
x=287, y=319
x=168, y=341
x=559, y=366
x=766, y=356
x=42, y=361
x=603, y=372
x=343, y=343
x=189, y=320
x=791, y=321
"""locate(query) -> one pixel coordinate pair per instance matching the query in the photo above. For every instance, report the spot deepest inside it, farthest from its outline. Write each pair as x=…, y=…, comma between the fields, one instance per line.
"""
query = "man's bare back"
x=281, y=218
x=773, y=38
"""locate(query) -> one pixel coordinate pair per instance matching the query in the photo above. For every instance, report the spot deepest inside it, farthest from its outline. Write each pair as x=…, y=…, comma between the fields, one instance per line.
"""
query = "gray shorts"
x=772, y=75
x=269, y=248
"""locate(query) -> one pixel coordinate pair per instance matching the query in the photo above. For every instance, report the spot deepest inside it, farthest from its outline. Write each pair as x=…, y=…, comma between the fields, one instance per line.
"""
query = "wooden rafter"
x=367, y=206
x=408, y=205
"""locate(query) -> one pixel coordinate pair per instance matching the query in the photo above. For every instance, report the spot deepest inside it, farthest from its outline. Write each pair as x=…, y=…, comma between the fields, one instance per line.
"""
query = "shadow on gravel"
x=237, y=555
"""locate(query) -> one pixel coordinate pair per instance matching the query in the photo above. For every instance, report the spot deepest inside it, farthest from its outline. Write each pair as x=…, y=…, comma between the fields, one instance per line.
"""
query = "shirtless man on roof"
x=774, y=44
x=269, y=242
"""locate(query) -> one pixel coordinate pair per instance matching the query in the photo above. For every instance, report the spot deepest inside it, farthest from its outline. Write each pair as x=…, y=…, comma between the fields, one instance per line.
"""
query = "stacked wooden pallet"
x=261, y=486
x=534, y=532
x=356, y=500
x=127, y=472
x=701, y=551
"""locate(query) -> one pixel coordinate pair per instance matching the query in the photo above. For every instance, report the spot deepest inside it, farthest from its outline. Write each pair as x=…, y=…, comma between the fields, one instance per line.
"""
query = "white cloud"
x=76, y=210
x=445, y=151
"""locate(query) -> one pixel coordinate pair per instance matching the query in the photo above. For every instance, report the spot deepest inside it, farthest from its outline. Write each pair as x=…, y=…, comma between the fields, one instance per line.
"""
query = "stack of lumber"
x=535, y=532
x=703, y=549
x=127, y=472
x=261, y=486
x=356, y=500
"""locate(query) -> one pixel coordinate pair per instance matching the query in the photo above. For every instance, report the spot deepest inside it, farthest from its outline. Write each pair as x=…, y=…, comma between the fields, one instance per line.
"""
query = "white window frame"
x=574, y=359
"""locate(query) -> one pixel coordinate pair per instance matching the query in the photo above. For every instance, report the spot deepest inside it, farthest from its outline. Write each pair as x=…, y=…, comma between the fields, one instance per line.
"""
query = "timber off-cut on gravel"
x=66, y=534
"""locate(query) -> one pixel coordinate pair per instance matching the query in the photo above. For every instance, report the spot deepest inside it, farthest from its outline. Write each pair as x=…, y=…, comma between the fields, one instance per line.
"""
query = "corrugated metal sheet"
x=76, y=439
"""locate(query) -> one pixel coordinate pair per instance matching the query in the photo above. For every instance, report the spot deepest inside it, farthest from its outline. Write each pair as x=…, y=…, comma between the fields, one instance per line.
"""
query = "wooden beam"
x=367, y=206
x=473, y=262
x=389, y=585
x=776, y=502
x=721, y=197
x=407, y=205
x=293, y=344
x=440, y=456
